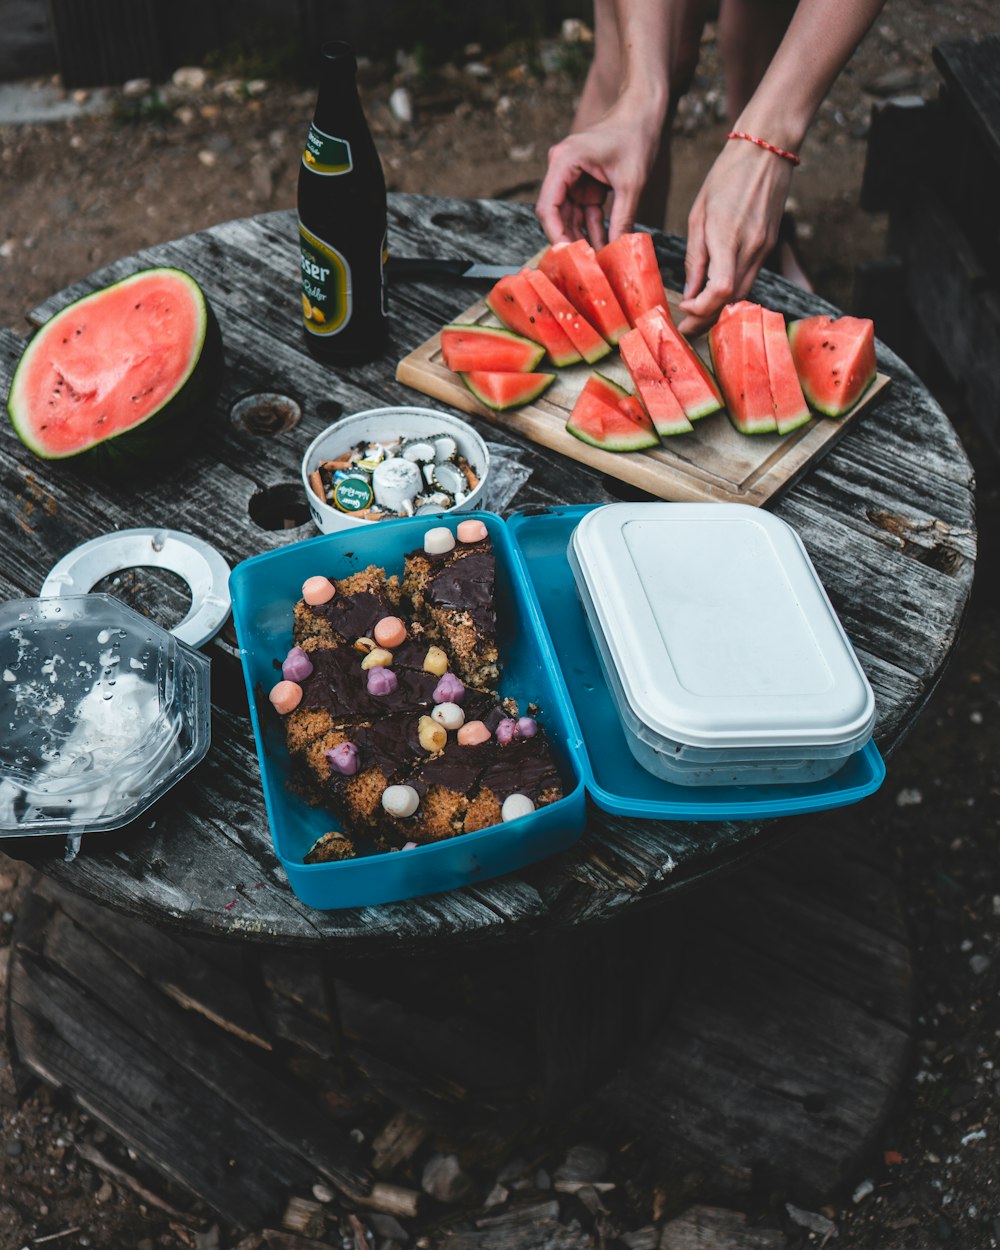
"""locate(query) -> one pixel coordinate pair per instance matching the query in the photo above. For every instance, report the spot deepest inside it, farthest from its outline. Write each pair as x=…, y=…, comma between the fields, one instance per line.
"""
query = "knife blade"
x=404, y=268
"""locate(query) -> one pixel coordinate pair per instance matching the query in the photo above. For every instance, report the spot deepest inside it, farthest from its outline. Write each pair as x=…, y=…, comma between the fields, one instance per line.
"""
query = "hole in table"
x=281, y=507
x=163, y=596
x=329, y=410
x=266, y=413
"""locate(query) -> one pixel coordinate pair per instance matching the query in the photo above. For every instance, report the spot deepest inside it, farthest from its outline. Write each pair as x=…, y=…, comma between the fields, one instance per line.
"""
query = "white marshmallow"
x=450, y=715
x=515, y=805
x=438, y=540
x=401, y=801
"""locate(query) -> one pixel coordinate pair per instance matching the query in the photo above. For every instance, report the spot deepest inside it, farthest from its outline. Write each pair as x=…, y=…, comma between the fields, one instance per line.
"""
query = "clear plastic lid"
x=101, y=711
x=719, y=628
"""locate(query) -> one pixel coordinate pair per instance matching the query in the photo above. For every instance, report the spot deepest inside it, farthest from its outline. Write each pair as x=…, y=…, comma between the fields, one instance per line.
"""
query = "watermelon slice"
x=835, y=360
x=631, y=267
x=500, y=391
x=465, y=348
x=737, y=345
x=650, y=381
x=514, y=302
x=581, y=333
x=573, y=269
x=787, y=400
x=689, y=380
x=605, y=415
x=119, y=373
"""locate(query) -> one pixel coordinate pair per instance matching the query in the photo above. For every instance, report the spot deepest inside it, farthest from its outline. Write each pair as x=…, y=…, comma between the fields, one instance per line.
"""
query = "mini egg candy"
x=449, y=715
x=286, y=696
x=343, y=759
x=381, y=681
x=296, y=665
x=438, y=541
x=473, y=733
x=317, y=590
x=436, y=662
x=506, y=731
x=379, y=658
x=432, y=736
x=390, y=632
x=400, y=801
x=527, y=727
x=449, y=689
x=515, y=806
x=471, y=531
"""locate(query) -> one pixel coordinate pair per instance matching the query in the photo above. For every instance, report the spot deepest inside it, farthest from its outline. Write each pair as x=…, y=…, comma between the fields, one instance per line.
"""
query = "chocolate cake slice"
x=359, y=603
x=522, y=766
x=445, y=783
x=454, y=593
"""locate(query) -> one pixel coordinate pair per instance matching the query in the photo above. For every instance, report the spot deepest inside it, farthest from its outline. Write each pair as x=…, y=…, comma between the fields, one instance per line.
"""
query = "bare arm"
x=734, y=221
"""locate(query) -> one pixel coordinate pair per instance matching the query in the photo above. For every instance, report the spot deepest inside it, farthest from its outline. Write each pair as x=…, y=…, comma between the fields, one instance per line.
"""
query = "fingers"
x=696, y=255
x=593, y=220
x=553, y=207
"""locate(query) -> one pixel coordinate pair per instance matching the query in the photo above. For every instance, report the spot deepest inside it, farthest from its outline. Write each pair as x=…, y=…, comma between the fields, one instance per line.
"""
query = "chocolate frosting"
x=465, y=583
x=355, y=616
x=339, y=685
x=523, y=766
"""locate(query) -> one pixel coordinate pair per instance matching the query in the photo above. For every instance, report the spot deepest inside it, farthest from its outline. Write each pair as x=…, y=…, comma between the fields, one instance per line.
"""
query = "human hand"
x=614, y=156
x=732, y=227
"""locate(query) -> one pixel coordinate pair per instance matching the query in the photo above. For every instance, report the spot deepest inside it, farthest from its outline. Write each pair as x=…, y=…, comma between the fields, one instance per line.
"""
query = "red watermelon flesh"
x=632, y=270
x=654, y=390
x=787, y=400
x=690, y=381
x=514, y=302
x=470, y=347
x=581, y=333
x=605, y=415
x=500, y=391
x=573, y=268
x=737, y=345
x=835, y=360
x=108, y=363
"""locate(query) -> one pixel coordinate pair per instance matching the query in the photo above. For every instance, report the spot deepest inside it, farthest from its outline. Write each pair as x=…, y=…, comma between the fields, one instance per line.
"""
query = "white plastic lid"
x=719, y=627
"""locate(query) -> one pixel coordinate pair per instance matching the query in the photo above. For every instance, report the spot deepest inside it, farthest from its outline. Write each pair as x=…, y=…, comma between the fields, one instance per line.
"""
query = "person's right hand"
x=612, y=157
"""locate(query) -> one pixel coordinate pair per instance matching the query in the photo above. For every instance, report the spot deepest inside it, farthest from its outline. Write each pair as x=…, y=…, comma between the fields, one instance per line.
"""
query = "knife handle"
x=405, y=267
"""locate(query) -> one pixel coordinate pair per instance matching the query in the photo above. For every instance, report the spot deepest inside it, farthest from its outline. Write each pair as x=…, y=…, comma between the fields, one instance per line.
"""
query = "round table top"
x=886, y=515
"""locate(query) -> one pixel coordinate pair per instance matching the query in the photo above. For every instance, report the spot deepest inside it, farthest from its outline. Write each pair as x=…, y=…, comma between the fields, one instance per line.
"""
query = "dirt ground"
x=177, y=158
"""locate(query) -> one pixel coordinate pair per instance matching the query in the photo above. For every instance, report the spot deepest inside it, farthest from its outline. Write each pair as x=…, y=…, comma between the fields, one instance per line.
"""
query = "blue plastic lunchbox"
x=548, y=658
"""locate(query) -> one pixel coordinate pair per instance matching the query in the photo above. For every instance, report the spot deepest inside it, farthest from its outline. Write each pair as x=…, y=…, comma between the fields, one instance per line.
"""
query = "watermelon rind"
x=696, y=390
x=156, y=433
x=500, y=391
x=652, y=386
x=737, y=381
x=789, y=404
x=859, y=368
x=605, y=399
x=499, y=350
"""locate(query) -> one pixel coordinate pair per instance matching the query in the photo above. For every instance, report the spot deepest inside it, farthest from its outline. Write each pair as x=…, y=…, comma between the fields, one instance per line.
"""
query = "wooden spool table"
x=799, y=1004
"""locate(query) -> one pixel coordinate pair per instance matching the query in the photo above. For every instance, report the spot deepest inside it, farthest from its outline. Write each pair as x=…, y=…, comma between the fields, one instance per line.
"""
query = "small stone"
x=185, y=114
x=477, y=69
x=190, y=78
x=863, y=1190
x=573, y=30
x=136, y=87
x=401, y=105
x=979, y=964
x=812, y=1220
x=105, y=1193
x=583, y=1163
x=256, y=87
x=909, y=797
x=323, y=1193
x=207, y=158
x=497, y=1196
x=522, y=152
x=444, y=1179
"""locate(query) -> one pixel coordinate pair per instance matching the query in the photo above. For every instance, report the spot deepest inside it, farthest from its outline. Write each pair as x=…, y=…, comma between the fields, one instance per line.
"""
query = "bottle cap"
x=353, y=493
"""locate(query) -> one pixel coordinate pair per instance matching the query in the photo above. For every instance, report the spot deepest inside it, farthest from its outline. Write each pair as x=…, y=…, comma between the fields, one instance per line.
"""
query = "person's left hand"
x=732, y=227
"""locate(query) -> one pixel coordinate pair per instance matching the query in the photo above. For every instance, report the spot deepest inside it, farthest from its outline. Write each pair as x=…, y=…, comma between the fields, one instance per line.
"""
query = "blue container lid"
x=613, y=778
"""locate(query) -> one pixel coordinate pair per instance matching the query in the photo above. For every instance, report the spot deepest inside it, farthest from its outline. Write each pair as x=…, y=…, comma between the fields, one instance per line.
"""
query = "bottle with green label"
x=342, y=221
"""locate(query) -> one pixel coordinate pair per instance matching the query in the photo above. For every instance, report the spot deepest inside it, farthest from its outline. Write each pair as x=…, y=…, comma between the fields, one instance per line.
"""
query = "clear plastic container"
x=723, y=653
x=101, y=711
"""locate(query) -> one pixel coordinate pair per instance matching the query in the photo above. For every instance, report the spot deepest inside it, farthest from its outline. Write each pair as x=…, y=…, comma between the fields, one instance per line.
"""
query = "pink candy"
x=449, y=689
x=286, y=696
x=343, y=759
x=473, y=733
x=527, y=727
x=471, y=531
x=296, y=665
x=390, y=632
x=317, y=590
x=523, y=727
x=382, y=681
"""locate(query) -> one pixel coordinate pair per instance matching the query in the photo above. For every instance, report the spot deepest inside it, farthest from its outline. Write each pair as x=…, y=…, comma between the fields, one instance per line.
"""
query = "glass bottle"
x=342, y=221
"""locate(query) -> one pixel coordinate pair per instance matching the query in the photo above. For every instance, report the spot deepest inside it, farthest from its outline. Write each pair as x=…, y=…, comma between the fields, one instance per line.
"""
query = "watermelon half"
x=835, y=360
x=737, y=345
x=472, y=347
x=689, y=380
x=119, y=373
x=500, y=391
x=605, y=415
x=631, y=267
x=654, y=390
x=573, y=268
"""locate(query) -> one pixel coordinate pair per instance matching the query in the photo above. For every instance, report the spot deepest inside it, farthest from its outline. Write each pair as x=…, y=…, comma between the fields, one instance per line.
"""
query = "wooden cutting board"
x=712, y=463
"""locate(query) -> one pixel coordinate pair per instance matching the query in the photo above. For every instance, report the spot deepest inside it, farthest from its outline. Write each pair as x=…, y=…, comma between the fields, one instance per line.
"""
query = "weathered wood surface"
x=714, y=463
x=887, y=517
x=776, y=1061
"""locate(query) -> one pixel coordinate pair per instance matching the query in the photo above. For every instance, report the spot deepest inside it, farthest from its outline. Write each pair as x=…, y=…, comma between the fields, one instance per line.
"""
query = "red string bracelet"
x=763, y=143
